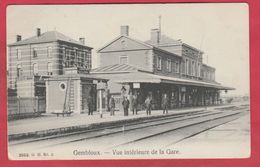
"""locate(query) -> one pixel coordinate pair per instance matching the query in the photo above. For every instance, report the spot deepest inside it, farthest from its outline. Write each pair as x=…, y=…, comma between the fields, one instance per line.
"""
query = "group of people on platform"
x=132, y=103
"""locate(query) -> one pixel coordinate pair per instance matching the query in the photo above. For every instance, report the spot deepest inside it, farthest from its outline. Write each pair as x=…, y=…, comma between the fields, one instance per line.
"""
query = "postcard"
x=128, y=81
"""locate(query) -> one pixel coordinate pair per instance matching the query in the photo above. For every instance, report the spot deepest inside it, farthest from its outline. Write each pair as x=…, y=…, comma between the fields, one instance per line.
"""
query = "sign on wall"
x=136, y=85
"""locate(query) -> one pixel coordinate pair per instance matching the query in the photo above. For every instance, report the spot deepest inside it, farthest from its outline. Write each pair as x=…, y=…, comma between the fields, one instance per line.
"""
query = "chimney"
x=38, y=32
x=82, y=40
x=18, y=38
x=124, y=30
x=155, y=35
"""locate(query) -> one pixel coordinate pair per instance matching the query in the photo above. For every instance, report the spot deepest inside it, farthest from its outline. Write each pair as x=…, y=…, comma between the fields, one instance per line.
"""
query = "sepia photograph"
x=128, y=81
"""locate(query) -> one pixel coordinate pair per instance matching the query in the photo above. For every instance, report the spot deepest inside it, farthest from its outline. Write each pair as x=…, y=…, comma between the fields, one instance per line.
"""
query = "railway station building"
x=155, y=67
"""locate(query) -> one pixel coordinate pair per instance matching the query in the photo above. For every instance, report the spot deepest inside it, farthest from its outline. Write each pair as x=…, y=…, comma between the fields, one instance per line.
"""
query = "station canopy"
x=124, y=74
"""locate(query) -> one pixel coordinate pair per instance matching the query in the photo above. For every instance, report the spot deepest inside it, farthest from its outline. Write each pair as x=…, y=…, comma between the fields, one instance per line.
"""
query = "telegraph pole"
x=159, y=35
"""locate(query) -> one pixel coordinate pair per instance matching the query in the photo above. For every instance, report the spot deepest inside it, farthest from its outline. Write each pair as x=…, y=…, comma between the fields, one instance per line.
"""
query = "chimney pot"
x=125, y=30
x=18, y=38
x=82, y=40
x=38, y=32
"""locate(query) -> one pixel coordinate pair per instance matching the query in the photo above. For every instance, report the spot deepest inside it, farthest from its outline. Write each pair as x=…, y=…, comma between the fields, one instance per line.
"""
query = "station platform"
x=49, y=123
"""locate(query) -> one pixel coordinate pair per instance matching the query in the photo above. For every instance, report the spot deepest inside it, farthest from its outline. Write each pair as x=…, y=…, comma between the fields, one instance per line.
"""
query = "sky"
x=220, y=30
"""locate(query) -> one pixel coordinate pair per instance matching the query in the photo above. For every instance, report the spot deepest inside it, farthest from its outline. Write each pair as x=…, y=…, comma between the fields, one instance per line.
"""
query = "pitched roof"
x=115, y=68
x=164, y=40
x=138, y=41
x=49, y=36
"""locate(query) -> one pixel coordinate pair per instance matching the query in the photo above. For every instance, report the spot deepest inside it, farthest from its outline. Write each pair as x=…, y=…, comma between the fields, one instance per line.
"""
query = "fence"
x=25, y=106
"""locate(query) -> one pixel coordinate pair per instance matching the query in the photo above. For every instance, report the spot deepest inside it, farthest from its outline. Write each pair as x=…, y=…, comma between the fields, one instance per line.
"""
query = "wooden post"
x=37, y=104
x=19, y=105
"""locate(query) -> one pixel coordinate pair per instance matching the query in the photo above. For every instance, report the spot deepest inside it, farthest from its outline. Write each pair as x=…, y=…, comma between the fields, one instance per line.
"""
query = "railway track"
x=145, y=130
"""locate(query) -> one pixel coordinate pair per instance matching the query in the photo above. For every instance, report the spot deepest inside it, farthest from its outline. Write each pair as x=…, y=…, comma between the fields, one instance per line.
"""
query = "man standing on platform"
x=148, y=105
x=112, y=105
x=90, y=106
x=125, y=104
x=135, y=104
x=165, y=103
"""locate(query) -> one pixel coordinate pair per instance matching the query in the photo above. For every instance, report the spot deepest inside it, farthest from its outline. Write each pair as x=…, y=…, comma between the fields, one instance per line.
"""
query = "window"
x=159, y=63
x=19, y=70
x=35, y=69
x=169, y=65
x=187, y=66
x=177, y=67
x=70, y=58
x=88, y=59
x=49, y=69
x=19, y=53
x=199, y=70
x=213, y=76
x=49, y=50
x=34, y=52
x=62, y=86
x=193, y=68
x=123, y=60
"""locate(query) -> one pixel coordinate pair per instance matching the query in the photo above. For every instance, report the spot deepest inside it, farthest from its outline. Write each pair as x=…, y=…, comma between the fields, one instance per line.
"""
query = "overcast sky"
x=220, y=30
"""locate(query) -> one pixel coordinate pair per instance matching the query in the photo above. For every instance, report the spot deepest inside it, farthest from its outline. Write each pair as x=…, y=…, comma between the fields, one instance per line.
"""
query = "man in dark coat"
x=125, y=104
x=165, y=103
x=112, y=105
x=135, y=105
x=90, y=106
x=148, y=105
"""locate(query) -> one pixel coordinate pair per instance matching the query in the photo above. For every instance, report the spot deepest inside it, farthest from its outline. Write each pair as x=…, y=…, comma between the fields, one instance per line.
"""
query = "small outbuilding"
x=74, y=91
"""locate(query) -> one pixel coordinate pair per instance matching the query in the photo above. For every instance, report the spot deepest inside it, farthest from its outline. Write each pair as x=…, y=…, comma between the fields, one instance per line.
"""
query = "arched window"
x=177, y=67
x=49, y=68
x=187, y=66
x=193, y=69
x=35, y=69
x=159, y=63
x=169, y=65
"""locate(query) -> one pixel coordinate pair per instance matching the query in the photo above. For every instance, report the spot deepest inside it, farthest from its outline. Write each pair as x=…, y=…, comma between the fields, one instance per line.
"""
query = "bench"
x=62, y=113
